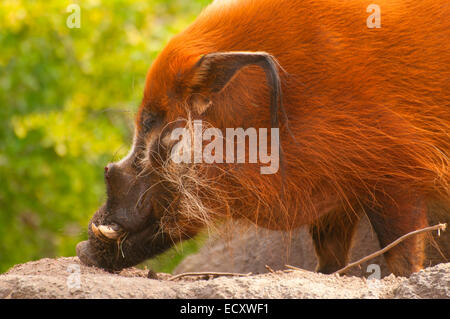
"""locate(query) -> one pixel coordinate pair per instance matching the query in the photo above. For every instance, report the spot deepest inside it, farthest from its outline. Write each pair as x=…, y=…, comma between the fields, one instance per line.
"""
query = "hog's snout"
x=128, y=197
x=126, y=229
x=85, y=253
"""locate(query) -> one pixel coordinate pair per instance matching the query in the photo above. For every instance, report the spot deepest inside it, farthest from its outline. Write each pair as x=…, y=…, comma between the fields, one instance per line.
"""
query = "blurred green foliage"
x=67, y=102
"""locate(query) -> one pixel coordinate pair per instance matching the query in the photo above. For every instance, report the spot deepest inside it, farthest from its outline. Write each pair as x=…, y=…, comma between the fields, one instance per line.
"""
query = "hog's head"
x=153, y=202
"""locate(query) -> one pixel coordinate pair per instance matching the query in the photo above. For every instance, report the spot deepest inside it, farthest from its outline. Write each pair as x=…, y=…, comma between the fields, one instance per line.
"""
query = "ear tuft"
x=200, y=103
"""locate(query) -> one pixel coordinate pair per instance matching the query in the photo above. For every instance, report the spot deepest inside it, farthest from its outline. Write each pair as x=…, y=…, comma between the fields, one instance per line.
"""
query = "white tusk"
x=105, y=231
x=108, y=232
x=95, y=230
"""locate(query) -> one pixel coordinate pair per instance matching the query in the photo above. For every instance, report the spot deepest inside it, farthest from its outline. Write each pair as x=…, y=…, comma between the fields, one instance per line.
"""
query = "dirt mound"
x=68, y=278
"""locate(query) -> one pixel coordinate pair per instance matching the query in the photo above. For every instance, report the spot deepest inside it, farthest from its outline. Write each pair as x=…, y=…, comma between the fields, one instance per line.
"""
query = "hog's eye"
x=149, y=122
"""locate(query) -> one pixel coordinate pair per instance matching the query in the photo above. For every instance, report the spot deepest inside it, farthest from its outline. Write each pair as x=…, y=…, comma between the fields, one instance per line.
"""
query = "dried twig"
x=294, y=268
x=437, y=227
x=214, y=274
x=269, y=268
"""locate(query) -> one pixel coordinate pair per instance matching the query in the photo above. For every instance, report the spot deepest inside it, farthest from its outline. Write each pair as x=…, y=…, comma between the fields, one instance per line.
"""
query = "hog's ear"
x=214, y=71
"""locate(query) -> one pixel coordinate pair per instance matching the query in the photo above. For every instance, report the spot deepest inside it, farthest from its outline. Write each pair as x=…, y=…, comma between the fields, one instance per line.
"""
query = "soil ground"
x=68, y=278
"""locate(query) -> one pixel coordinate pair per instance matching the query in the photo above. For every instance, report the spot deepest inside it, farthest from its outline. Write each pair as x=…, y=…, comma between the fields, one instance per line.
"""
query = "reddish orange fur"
x=369, y=108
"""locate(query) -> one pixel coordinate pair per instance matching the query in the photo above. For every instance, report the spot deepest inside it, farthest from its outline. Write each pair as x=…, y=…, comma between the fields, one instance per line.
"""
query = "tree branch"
x=437, y=227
